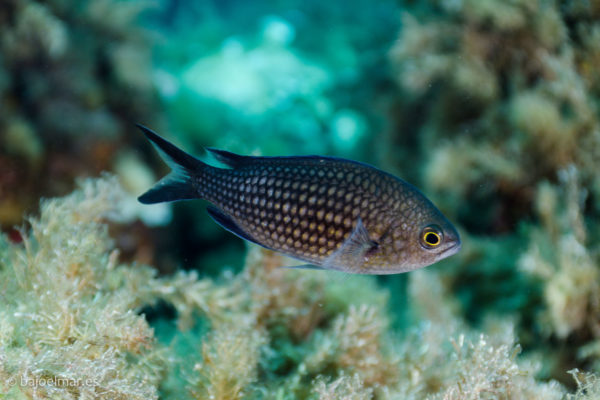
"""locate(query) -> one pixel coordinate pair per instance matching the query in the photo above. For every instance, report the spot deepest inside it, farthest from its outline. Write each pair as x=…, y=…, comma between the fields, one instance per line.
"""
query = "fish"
x=329, y=212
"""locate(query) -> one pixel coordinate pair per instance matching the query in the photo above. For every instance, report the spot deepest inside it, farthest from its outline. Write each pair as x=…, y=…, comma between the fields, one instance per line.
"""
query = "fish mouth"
x=452, y=248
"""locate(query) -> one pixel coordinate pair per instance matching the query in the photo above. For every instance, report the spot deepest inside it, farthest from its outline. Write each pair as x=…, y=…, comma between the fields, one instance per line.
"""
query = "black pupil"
x=432, y=238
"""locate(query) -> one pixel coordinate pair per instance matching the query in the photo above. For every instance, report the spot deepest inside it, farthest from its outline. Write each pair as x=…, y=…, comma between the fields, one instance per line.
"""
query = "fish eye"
x=431, y=237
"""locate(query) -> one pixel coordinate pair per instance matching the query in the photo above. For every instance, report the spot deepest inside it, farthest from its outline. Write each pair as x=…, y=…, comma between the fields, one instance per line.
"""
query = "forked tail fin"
x=178, y=185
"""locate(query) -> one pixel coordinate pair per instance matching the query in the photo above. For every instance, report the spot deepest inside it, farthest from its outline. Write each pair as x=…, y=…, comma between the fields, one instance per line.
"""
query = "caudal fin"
x=178, y=185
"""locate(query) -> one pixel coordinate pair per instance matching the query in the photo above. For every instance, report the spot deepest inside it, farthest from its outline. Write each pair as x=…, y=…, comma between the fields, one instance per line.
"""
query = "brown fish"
x=329, y=212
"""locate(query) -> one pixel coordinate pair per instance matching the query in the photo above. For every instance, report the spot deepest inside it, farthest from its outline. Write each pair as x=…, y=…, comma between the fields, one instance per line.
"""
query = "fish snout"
x=452, y=243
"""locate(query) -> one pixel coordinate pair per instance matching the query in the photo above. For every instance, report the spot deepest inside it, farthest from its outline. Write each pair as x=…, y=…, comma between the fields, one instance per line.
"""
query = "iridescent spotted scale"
x=329, y=212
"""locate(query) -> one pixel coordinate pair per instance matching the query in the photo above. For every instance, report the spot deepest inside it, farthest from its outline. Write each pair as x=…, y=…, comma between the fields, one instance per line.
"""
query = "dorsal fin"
x=228, y=158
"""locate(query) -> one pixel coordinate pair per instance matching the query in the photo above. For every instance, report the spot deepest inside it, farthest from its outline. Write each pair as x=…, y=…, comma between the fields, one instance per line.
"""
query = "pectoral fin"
x=355, y=250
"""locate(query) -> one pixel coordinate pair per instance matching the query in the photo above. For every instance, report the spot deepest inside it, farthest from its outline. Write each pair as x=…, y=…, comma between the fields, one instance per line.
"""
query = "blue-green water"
x=490, y=108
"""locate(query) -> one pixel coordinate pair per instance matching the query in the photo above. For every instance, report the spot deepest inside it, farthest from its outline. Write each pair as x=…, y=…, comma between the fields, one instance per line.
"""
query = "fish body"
x=329, y=212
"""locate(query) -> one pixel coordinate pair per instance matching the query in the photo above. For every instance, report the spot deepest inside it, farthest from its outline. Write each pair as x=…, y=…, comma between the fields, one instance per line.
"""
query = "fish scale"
x=306, y=206
x=330, y=212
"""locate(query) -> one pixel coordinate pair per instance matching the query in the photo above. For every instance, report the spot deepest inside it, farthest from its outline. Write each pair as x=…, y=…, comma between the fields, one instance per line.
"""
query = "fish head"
x=426, y=238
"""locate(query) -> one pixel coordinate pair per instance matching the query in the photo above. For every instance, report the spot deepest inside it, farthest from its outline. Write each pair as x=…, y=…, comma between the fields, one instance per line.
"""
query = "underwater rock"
x=495, y=115
x=276, y=31
x=241, y=91
x=566, y=261
x=505, y=102
x=348, y=128
x=68, y=329
x=72, y=312
x=526, y=108
x=64, y=73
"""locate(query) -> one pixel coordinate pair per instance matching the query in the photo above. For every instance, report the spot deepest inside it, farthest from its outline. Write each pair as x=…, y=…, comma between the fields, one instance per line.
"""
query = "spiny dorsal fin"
x=228, y=158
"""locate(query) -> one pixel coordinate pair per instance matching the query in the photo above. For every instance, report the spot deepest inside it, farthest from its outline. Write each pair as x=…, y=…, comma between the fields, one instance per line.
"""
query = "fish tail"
x=179, y=184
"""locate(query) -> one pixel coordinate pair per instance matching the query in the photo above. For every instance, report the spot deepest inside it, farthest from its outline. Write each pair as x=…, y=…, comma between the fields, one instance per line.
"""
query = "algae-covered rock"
x=68, y=326
x=510, y=145
x=494, y=114
x=73, y=80
x=75, y=324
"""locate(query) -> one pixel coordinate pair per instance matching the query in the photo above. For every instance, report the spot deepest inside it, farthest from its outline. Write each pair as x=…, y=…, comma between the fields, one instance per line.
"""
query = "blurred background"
x=490, y=107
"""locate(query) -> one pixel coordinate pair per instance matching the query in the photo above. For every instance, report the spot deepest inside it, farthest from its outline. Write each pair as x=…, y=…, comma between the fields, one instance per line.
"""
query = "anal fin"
x=305, y=266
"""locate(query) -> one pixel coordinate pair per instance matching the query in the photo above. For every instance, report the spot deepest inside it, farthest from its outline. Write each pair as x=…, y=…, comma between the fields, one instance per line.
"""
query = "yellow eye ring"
x=431, y=237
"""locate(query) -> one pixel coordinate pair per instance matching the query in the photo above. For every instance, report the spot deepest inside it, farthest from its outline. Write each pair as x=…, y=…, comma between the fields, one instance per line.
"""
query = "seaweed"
x=74, y=325
x=508, y=145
